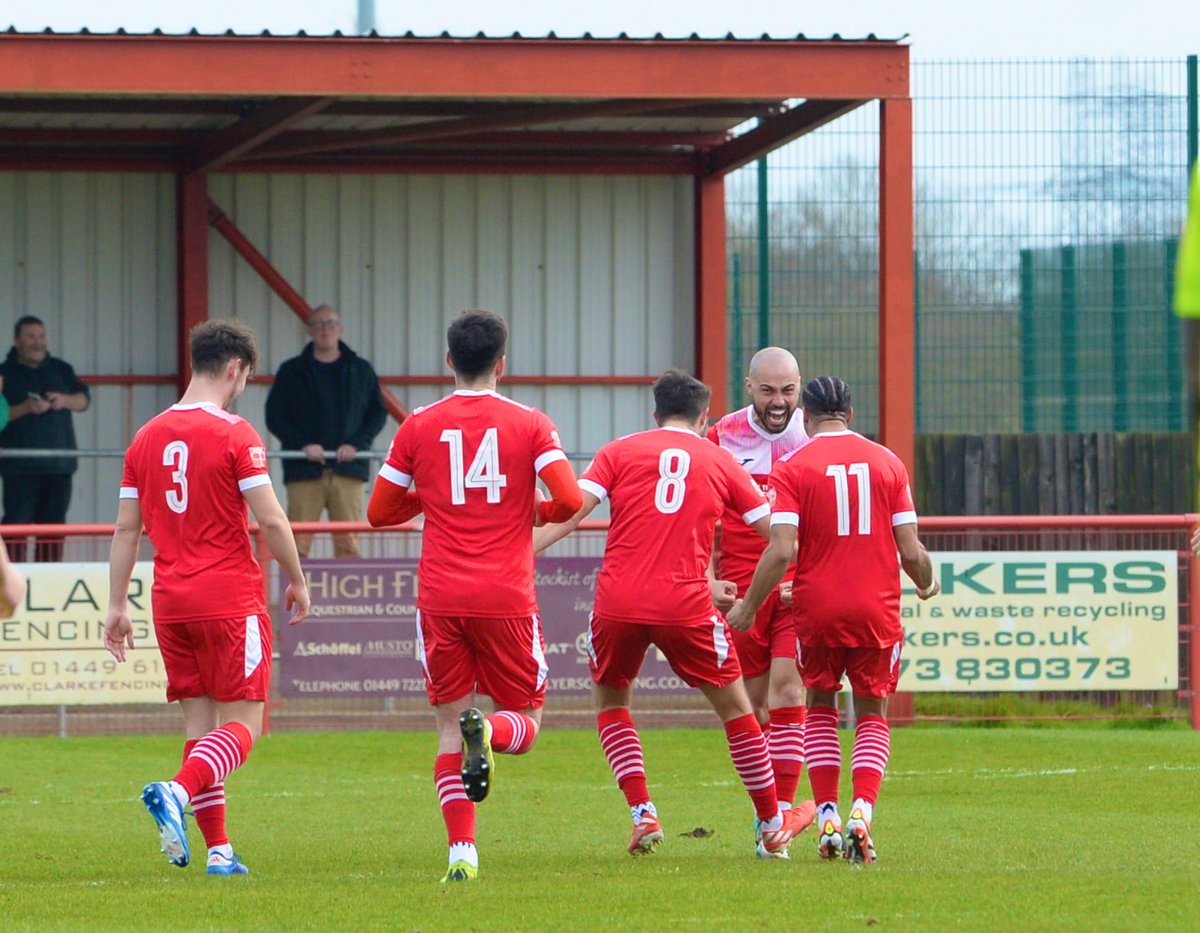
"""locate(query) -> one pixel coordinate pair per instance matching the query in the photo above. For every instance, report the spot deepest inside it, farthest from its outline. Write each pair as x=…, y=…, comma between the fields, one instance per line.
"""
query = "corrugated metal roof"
x=479, y=36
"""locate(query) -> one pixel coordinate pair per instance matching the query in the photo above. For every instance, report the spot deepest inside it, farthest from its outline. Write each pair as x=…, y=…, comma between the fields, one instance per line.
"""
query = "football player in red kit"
x=189, y=474
x=471, y=463
x=757, y=436
x=844, y=505
x=667, y=488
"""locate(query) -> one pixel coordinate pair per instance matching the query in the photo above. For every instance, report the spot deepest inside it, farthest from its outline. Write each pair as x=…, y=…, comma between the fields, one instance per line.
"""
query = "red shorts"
x=773, y=635
x=699, y=652
x=873, y=672
x=222, y=659
x=504, y=659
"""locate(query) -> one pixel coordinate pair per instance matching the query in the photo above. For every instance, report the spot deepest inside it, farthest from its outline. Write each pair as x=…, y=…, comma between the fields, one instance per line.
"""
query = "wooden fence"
x=1055, y=474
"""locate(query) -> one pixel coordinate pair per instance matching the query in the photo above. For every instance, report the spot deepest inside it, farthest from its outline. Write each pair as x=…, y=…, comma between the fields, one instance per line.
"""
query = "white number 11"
x=841, y=487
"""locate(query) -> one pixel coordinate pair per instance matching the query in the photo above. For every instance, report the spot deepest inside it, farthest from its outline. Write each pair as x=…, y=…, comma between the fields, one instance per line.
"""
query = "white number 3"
x=175, y=454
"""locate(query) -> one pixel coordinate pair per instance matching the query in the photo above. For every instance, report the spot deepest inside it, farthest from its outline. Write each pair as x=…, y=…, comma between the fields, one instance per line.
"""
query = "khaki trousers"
x=342, y=496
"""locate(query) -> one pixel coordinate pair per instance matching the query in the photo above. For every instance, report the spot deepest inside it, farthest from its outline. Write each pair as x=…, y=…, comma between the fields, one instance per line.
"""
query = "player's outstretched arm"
x=770, y=570
x=915, y=560
x=391, y=504
x=12, y=585
x=118, y=627
x=546, y=535
x=278, y=531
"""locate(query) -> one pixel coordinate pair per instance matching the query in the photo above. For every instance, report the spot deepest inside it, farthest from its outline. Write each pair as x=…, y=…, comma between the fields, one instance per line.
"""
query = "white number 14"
x=485, y=468
x=841, y=487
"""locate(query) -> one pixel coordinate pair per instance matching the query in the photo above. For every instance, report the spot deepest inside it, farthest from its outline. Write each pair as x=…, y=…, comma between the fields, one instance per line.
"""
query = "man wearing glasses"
x=326, y=399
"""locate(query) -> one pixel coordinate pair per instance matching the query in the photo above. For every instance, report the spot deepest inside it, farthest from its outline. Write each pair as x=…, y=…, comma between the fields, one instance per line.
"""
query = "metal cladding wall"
x=93, y=255
x=593, y=273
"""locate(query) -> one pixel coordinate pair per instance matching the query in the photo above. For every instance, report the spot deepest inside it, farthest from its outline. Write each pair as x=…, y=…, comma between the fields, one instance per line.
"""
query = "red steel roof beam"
x=458, y=162
x=280, y=286
x=776, y=132
x=565, y=139
x=265, y=123
x=274, y=66
x=467, y=126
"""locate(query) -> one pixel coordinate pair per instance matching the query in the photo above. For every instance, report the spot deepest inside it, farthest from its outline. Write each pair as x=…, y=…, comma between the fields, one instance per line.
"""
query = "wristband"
x=928, y=590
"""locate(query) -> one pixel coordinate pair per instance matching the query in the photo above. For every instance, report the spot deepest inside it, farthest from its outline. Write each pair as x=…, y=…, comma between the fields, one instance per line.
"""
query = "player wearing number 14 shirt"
x=473, y=460
x=845, y=503
x=667, y=488
x=189, y=474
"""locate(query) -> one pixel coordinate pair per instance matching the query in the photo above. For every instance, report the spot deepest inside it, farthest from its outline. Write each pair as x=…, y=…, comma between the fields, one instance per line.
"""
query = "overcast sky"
x=936, y=28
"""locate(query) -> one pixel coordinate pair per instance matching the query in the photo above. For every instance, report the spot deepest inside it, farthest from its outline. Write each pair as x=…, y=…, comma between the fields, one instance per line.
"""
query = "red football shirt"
x=188, y=468
x=845, y=494
x=757, y=450
x=667, y=488
x=473, y=458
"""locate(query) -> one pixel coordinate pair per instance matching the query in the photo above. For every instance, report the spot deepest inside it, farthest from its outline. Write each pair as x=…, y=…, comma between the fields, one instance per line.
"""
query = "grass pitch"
x=1084, y=828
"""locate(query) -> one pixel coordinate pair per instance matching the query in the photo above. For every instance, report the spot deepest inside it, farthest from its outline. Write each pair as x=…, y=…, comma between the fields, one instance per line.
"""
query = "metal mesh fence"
x=1048, y=199
x=945, y=536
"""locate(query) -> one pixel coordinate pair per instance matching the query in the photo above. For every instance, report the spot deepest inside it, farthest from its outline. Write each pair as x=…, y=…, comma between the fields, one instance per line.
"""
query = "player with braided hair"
x=845, y=504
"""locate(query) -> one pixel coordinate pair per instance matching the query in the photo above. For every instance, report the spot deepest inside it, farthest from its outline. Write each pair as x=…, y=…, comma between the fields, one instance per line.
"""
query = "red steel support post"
x=897, y=316
x=709, y=250
x=1194, y=626
x=897, y=312
x=191, y=242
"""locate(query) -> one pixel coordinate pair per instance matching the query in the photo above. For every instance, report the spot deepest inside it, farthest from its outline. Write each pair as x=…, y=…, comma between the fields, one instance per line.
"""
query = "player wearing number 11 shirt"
x=845, y=502
x=667, y=488
x=473, y=460
x=189, y=474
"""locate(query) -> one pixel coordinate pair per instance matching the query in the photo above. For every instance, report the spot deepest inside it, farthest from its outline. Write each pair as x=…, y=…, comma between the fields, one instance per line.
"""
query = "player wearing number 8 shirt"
x=473, y=459
x=189, y=474
x=845, y=502
x=667, y=488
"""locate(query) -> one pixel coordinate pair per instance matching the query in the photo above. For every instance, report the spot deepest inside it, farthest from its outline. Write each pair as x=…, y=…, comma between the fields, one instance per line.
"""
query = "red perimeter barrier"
x=945, y=535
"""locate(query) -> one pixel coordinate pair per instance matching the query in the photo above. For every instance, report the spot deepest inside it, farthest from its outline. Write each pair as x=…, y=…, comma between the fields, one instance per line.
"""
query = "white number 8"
x=673, y=466
x=175, y=454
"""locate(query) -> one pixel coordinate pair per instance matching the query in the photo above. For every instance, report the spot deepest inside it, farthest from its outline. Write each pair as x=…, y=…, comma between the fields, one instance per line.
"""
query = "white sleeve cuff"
x=755, y=514
x=904, y=518
x=594, y=488
x=253, y=482
x=549, y=457
x=785, y=518
x=128, y=492
x=392, y=475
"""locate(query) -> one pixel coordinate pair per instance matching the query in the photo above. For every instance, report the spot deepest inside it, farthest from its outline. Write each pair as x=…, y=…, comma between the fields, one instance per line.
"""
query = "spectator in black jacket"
x=327, y=398
x=42, y=392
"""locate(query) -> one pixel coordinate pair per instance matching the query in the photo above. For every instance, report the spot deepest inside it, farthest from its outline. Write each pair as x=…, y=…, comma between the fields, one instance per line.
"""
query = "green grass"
x=975, y=828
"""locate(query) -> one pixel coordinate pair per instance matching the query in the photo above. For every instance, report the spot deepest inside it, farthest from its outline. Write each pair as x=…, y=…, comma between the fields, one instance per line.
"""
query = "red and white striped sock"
x=785, y=742
x=208, y=807
x=623, y=749
x=823, y=752
x=214, y=757
x=458, y=811
x=868, y=761
x=748, y=749
x=512, y=733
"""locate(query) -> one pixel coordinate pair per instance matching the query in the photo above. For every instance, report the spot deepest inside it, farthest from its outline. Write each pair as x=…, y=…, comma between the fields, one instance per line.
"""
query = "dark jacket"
x=293, y=412
x=52, y=430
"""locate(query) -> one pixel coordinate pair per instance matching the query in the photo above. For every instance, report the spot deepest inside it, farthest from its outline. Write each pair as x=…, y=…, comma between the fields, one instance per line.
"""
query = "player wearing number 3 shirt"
x=667, y=488
x=189, y=474
x=845, y=502
x=472, y=461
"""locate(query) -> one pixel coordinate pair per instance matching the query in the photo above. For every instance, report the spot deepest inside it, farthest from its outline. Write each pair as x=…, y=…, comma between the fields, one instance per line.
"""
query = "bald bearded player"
x=757, y=436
